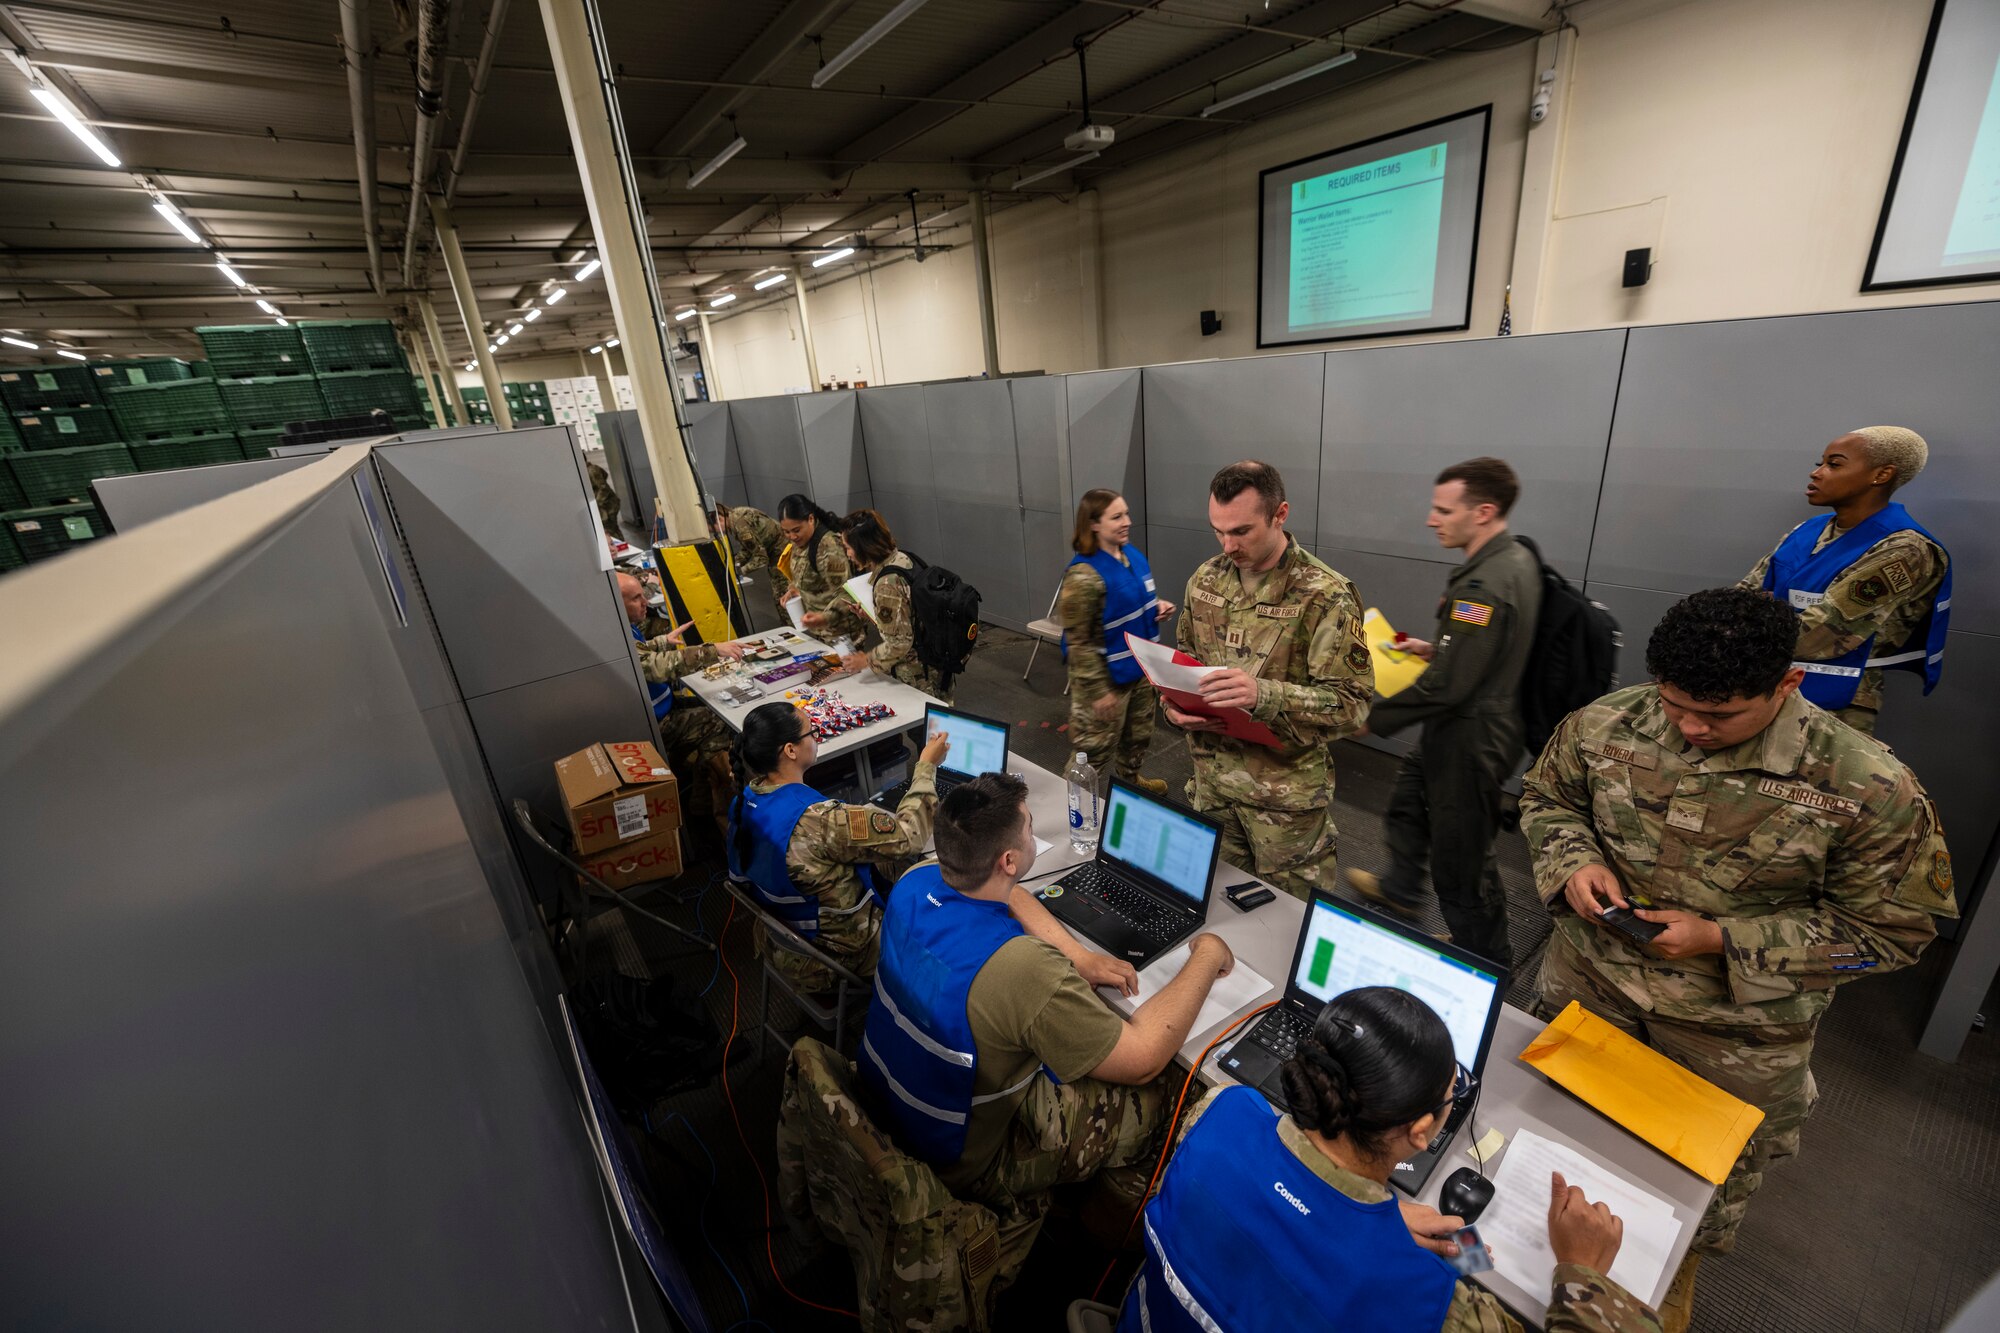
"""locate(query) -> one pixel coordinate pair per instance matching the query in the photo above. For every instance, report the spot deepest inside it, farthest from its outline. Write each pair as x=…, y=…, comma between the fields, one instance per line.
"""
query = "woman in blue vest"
x=816, y=864
x=1266, y=1222
x=1107, y=593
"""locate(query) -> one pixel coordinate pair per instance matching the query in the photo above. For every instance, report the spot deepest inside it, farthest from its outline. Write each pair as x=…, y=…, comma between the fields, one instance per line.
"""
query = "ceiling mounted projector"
x=1090, y=139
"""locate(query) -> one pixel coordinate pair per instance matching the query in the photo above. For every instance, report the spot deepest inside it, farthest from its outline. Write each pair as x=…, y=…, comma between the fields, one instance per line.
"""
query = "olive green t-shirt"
x=1028, y=1008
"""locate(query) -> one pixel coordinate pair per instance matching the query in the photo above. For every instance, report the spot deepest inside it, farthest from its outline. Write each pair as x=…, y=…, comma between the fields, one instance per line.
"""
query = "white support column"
x=805, y=329
x=709, y=374
x=982, y=277
x=446, y=370
x=617, y=218
x=611, y=403
x=1541, y=173
x=468, y=312
x=430, y=385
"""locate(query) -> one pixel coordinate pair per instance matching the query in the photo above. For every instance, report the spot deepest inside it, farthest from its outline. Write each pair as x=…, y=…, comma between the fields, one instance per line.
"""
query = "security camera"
x=1538, y=110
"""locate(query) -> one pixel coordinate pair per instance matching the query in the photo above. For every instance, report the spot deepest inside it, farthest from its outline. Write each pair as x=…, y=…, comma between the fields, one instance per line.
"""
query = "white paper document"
x=1043, y=848
x=1157, y=661
x=1516, y=1225
x=1233, y=993
x=862, y=591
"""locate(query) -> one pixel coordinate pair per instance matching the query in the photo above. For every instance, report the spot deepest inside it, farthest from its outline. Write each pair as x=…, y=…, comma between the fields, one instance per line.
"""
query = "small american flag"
x=1507, y=311
x=1472, y=613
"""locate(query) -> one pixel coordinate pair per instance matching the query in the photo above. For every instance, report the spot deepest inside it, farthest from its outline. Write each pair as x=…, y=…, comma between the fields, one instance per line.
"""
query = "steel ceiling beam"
x=780, y=38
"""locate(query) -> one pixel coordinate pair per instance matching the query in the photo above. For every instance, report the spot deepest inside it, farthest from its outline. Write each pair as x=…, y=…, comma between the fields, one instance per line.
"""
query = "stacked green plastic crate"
x=139, y=370
x=255, y=351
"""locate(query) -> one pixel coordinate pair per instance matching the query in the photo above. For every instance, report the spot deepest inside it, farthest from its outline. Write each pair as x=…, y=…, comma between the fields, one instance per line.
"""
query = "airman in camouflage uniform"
x=607, y=498
x=820, y=572
x=896, y=654
x=1887, y=592
x=1294, y=628
x=830, y=841
x=754, y=539
x=1807, y=850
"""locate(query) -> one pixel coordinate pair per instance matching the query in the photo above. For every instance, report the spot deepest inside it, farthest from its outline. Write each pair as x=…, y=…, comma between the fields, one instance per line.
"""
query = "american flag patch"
x=1472, y=613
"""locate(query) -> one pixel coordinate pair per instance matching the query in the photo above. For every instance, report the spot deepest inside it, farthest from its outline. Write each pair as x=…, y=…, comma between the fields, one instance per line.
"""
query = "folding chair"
x=1046, y=630
x=851, y=990
x=591, y=886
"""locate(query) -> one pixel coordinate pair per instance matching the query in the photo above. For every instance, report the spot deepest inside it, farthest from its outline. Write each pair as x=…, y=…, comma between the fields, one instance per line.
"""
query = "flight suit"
x=1813, y=848
x=1298, y=631
x=1445, y=807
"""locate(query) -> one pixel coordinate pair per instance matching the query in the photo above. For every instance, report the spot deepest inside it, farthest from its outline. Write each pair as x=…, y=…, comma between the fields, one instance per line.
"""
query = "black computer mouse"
x=1465, y=1194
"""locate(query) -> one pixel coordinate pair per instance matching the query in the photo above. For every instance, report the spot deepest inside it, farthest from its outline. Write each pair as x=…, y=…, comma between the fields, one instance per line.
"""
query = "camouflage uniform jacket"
x=1582, y=1301
x=1884, y=595
x=1300, y=635
x=607, y=499
x=896, y=654
x=756, y=542
x=663, y=662
x=820, y=573
x=1810, y=845
x=832, y=838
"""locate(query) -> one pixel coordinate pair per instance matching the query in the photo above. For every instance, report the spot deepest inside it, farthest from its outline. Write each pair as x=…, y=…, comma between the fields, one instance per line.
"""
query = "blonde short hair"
x=1897, y=447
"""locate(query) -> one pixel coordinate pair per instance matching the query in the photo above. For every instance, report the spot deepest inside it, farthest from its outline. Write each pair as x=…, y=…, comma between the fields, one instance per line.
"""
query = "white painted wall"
x=1747, y=141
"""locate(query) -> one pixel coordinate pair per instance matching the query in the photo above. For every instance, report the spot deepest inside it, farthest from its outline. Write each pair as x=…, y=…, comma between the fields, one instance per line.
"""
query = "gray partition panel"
x=768, y=439
x=897, y=437
x=1175, y=553
x=525, y=729
x=713, y=440
x=984, y=544
x=1718, y=425
x=1041, y=442
x=504, y=540
x=1203, y=414
x=318, y=1092
x=1403, y=589
x=145, y=496
x=836, y=464
x=1397, y=416
x=1047, y=539
x=913, y=517
x=972, y=442
x=630, y=468
x=1107, y=440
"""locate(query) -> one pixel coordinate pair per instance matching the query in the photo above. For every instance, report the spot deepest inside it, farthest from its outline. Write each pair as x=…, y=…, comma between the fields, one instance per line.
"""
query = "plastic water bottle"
x=1083, y=807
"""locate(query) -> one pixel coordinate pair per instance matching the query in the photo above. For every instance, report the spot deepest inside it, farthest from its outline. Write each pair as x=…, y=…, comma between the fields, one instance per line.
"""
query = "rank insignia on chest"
x=1234, y=638
x=1472, y=613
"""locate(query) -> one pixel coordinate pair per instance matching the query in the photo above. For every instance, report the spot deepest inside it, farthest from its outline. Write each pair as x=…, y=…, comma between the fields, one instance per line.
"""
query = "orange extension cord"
x=1167, y=1144
x=763, y=1185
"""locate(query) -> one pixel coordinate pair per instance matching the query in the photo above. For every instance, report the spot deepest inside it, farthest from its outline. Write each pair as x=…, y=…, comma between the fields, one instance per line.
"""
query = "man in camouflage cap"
x=1784, y=853
x=1871, y=587
x=1286, y=629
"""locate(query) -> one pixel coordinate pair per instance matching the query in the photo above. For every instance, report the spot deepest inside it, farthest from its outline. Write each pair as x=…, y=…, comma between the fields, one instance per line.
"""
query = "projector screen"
x=1940, y=219
x=1372, y=239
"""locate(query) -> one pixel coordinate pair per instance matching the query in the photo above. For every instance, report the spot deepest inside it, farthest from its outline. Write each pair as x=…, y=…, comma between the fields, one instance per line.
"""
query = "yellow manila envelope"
x=1393, y=670
x=1680, y=1113
x=785, y=562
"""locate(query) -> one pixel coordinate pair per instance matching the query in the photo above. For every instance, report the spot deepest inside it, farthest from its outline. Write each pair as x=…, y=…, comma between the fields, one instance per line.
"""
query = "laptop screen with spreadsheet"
x=978, y=745
x=1159, y=841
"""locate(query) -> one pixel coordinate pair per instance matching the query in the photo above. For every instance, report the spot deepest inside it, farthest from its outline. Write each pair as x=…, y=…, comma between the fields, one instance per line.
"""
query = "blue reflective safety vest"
x=661, y=696
x=917, y=1053
x=1243, y=1237
x=1130, y=606
x=771, y=817
x=1801, y=579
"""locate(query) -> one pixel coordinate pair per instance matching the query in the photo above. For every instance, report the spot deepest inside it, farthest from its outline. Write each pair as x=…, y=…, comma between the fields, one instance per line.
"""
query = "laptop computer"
x=1148, y=888
x=1343, y=947
x=978, y=745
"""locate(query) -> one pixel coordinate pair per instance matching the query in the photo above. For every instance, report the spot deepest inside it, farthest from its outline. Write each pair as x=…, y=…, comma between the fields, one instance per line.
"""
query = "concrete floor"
x=1881, y=1223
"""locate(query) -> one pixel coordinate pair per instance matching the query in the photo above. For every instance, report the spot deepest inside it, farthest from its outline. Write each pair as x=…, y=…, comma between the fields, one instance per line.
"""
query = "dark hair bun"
x=1377, y=1059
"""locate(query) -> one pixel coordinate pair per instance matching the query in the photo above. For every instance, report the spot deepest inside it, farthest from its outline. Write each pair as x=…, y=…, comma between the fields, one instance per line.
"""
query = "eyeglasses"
x=1463, y=1081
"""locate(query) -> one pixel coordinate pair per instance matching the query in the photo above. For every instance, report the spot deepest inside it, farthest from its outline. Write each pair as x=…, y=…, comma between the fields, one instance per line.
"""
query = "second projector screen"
x=1373, y=239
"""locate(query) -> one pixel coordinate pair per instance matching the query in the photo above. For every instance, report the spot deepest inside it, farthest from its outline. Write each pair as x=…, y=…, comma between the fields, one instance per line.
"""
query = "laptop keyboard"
x=892, y=797
x=1283, y=1030
x=1139, y=911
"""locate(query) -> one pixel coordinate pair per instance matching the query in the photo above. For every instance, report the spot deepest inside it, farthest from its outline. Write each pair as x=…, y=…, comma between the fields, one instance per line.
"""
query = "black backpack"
x=944, y=615
x=1574, y=658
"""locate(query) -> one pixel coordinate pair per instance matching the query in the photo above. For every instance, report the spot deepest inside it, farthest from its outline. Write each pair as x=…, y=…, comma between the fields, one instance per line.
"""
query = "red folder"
x=1236, y=722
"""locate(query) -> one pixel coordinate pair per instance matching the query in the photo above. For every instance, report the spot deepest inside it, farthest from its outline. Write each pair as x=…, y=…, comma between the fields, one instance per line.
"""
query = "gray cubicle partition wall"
x=895, y=435
x=976, y=487
x=773, y=449
x=270, y=1057
x=144, y=496
x=1107, y=447
x=836, y=465
x=1041, y=444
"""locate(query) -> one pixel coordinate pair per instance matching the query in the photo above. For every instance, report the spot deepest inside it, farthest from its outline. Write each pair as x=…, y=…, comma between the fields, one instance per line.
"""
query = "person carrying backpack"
x=871, y=546
x=1445, y=808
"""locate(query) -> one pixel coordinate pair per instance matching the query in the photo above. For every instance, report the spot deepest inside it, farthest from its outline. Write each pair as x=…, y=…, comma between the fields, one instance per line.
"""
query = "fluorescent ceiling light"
x=231, y=273
x=1055, y=170
x=722, y=300
x=266, y=306
x=595, y=350
x=1300, y=76
x=492, y=347
x=736, y=145
x=771, y=281
x=555, y=296
x=501, y=341
x=18, y=342
x=867, y=39
x=60, y=110
x=613, y=342
x=589, y=269
x=474, y=365
x=685, y=314
x=176, y=221
x=74, y=356
x=513, y=329
x=282, y=320
x=533, y=315
x=833, y=258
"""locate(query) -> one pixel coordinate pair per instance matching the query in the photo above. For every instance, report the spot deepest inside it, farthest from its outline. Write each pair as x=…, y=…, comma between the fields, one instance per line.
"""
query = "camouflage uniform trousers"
x=696, y=743
x=1770, y=1067
x=1105, y=1133
x=809, y=978
x=1116, y=746
x=1291, y=850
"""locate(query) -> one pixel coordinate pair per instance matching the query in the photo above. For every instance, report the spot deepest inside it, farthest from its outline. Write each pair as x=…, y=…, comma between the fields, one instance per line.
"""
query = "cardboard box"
x=617, y=793
x=657, y=856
